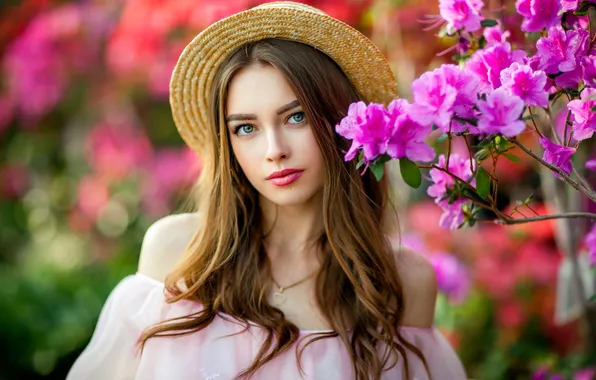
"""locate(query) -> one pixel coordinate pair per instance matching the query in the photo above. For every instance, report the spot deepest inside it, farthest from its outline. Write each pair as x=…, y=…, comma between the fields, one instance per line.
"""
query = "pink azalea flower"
x=408, y=137
x=501, y=113
x=443, y=93
x=488, y=63
x=591, y=164
x=433, y=100
x=495, y=35
x=526, y=83
x=560, y=50
x=452, y=276
x=557, y=155
x=453, y=215
x=590, y=242
x=584, y=124
x=538, y=14
x=368, y=128
x=585, y=374
x=443, y=181
x=588, y=66
x=461, y=14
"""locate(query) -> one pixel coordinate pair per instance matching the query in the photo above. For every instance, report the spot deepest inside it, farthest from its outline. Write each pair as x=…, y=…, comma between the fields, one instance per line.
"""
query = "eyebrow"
x=250, y=116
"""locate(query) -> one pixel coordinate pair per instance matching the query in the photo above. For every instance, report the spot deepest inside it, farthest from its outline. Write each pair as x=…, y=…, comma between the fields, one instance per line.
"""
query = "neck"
x=291, y=232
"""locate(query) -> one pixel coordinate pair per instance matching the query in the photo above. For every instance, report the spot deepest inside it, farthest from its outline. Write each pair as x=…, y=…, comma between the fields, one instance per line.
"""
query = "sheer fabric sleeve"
x=442, y=360
x=112, y=351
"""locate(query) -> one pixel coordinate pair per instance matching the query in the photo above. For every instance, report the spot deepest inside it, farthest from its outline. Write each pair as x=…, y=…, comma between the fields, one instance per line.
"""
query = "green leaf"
x=378, y=168
x=410, y=172
x=443, y=137
x=593, y=109
x=482, y=183
x=360, y=163
x=488, y=23
x=511, y=157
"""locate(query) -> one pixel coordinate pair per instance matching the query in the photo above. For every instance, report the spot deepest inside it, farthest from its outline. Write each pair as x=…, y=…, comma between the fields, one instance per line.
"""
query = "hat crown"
x=289, y=5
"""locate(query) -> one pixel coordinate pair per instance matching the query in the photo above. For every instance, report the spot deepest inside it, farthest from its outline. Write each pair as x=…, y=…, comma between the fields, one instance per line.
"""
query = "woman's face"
x=269, y=133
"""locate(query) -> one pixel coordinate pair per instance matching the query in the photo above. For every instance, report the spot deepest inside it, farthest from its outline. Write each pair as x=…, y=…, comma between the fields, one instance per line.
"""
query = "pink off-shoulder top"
x=138, y=302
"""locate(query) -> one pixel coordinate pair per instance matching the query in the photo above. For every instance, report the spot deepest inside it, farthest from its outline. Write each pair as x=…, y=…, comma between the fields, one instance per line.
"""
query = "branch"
x=569, y=215
x=587, y=192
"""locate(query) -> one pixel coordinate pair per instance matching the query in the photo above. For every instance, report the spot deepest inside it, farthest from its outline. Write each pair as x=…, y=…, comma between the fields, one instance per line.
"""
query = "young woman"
x=288, y=271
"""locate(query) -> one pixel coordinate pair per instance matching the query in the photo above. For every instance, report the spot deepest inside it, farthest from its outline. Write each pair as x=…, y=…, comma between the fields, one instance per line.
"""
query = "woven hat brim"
x=194, y=74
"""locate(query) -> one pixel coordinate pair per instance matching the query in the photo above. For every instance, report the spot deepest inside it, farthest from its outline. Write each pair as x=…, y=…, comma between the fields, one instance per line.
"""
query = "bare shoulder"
x=419, y=283
x=164, y=243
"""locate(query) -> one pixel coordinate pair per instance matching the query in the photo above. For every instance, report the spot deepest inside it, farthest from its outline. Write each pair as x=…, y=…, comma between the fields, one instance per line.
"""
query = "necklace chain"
x=282, y=288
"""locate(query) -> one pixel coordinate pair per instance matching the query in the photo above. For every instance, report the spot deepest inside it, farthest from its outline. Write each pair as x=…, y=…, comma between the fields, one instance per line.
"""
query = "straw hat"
x=193, y=76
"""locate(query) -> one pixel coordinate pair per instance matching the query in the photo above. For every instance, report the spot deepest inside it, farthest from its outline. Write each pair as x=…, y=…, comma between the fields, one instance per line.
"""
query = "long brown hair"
x=226, y=268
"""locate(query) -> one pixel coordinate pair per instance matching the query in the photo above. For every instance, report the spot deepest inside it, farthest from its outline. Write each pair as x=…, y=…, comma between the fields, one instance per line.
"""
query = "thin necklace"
x=279, y=296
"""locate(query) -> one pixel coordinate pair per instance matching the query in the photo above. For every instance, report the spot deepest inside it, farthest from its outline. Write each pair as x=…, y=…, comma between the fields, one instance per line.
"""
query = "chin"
x=291, y=197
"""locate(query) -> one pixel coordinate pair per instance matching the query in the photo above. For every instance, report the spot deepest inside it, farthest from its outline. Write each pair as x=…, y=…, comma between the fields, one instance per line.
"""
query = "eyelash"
x=237, y=128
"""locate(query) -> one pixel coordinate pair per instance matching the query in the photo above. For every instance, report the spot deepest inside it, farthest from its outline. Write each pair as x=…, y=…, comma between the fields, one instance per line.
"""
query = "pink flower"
x=453, y=215
x=495, y=35
x=408, y=137
x=590, y=242
x=501, y=113
x=591, y=164
x=557, y=155
x=526, y=83
x=442, y=181
x=585, y=120
x=433, y=100
x=367, y=127
x=588, y=65
x=488, y=63
x=585, y=374
x=452, y=276
x=538, y=14
x=171, y=171
x=93, y=194
x=443, y=93
x=560, y=50
x=115, y=148
x=461, y=14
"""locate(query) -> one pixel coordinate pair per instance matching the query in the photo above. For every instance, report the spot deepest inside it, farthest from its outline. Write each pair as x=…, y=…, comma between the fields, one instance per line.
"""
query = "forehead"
x=258, y=88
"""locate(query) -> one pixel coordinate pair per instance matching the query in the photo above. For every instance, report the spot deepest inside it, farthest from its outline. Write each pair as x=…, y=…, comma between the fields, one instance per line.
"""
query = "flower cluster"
x=377, y=131
x=488, y=97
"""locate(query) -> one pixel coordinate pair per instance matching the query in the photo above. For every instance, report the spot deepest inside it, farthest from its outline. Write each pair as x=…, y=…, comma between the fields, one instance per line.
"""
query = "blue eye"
x=299, y=117
x=237, y=129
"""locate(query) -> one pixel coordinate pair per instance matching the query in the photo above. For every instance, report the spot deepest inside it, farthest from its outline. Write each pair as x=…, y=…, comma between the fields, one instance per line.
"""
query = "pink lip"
x=287, y=179
x=283, y=173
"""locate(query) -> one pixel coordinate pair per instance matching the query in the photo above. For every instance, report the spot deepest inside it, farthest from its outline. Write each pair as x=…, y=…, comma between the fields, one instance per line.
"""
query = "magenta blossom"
x=367, y=127
x=461, y=14
x=584, y=123
x=443, y=93
x=495, y=35
x=590, y=242
x=557, y=155
x=588, y=69
x=586, y=373
x=501, y=113
x=538, y=14
x=453, y=215
x=560, y=50
x=591, y=164
x=442, y=181
x=408, y=137
x=452, y=276
x=433, y=100
x=526, y=83
x=488, y=63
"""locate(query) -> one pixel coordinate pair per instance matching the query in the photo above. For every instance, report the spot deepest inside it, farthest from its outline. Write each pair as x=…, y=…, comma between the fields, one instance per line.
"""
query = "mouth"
x=286, y=178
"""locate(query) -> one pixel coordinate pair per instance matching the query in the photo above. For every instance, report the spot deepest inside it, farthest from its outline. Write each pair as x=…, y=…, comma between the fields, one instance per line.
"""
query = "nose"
x=277, y=145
